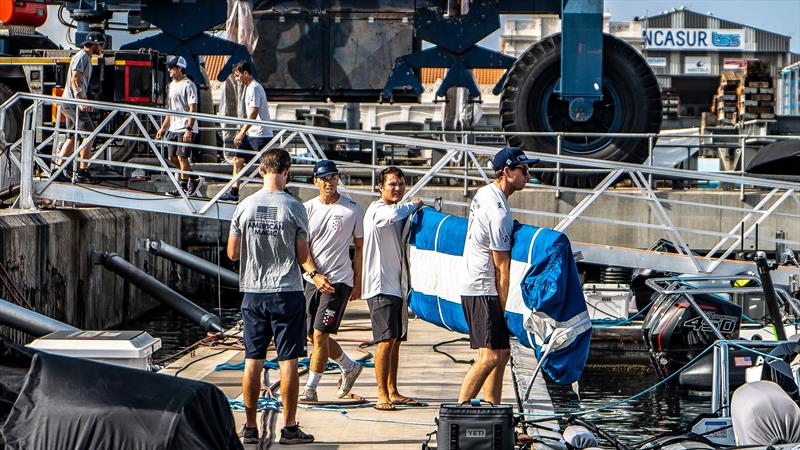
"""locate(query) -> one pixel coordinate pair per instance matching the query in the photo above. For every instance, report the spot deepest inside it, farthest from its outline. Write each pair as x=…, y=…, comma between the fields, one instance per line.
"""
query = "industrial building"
x=686, y=49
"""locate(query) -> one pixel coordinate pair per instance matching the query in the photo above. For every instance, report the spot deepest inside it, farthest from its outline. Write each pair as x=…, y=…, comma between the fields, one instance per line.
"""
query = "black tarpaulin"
x=70, y=403
x=778, y=158
x=14, y=364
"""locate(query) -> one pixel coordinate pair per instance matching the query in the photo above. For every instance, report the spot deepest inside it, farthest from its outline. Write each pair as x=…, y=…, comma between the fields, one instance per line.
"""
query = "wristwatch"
x=312, y=274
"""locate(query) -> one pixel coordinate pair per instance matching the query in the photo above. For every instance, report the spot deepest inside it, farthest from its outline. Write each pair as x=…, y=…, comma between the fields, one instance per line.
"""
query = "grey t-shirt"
x=182, y=94
x=332, y=228
x=269, y=223
x=382, y=268
x=81, y=62
x=255, y=97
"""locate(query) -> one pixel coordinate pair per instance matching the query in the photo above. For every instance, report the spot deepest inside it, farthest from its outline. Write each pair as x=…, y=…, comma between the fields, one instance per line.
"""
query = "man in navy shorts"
x=269, y=234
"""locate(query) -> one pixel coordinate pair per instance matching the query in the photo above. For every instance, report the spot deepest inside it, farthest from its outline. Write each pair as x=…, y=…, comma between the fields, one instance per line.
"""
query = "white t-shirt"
x=383, y=227
x=490, y=228
x=331, y=228
x=182, y=94
x=255, y=97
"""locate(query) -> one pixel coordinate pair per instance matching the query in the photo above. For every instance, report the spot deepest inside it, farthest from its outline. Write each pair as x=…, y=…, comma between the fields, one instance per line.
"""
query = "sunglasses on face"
x=525, y=169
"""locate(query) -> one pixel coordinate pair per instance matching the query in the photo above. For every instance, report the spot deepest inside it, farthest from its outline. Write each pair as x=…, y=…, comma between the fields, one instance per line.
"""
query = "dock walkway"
x=424, y=375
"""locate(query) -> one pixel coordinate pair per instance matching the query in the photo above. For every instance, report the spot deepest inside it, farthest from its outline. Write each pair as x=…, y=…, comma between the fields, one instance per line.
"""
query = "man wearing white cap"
x=181, y=130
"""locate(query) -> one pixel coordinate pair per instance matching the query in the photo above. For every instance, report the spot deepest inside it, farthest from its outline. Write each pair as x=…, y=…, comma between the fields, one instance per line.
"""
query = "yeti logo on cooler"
x=476, y=433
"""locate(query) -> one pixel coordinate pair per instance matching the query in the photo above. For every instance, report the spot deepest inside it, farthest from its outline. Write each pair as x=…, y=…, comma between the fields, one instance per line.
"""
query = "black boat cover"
x=778, y=158
x=71, y=403
x=14, y=364
x=764, y=414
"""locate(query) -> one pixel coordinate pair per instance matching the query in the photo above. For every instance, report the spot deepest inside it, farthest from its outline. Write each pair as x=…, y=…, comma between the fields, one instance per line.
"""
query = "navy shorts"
x=324, y=311
x=280, y=315
x=486, y=321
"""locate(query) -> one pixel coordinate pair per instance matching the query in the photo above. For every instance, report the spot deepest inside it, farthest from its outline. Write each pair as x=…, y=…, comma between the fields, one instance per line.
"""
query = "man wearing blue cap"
x=484, y=289
x=333, y=222
x=79, y=79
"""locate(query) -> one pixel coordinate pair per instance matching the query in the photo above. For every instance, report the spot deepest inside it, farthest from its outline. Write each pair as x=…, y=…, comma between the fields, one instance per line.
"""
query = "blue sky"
x=779, y=16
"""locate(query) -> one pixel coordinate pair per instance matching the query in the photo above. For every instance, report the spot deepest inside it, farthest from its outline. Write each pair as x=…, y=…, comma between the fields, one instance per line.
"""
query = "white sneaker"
x=348, y=380
x=308, y=395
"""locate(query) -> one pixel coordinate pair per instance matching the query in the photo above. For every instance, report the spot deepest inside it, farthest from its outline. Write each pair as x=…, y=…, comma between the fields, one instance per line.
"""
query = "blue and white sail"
x=546, y=309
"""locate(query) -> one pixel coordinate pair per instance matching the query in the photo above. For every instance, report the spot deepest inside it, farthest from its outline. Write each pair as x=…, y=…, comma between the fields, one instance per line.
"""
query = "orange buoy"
x=22, y=13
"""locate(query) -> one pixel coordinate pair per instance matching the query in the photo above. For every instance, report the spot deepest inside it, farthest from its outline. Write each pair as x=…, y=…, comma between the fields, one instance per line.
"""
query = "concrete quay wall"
x=49, y=256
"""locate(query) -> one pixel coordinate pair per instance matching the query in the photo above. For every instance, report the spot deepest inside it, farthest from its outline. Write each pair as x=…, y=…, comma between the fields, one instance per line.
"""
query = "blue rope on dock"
x=264, y=404
x=305, y=362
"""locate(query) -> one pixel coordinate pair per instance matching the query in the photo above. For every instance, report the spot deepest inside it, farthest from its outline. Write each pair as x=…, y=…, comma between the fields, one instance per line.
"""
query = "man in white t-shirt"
x=179, y=130
x=334, y=221
x=381, y=285
x=484, y=287
x=77, y=85
x=250, y=138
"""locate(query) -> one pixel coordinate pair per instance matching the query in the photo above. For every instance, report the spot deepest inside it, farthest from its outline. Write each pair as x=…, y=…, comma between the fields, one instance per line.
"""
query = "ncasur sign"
x=704, y=39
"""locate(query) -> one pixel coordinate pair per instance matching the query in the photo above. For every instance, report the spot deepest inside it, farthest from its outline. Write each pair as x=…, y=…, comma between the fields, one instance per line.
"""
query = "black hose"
x=452, y=341
x=161, y=248
x=162, y=293
x=30, y=322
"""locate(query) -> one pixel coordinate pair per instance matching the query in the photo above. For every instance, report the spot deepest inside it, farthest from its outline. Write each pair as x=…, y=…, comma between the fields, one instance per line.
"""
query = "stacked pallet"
x=757, y=94
x=745, y=95
x=726, y=100
x=670, y=106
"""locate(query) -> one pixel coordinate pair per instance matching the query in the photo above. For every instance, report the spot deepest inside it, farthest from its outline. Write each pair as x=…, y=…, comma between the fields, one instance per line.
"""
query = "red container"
x=22, y=13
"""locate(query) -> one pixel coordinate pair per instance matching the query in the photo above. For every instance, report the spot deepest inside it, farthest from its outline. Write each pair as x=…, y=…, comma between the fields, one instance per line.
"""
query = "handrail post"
x=650, y=159
x=374, y=163
x=741, y=162
x=26, y=171
x=558, y=166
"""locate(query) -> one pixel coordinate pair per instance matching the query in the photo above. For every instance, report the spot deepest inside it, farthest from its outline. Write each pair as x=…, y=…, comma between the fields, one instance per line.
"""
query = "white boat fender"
x=764, y=414
x=579, y=437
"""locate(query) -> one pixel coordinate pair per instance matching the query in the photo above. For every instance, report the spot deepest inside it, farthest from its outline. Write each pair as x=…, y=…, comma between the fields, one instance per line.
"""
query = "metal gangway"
x=32, y=156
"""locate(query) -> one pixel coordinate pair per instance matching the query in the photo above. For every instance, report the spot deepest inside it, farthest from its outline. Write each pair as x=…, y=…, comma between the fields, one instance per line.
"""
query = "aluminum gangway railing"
x=121, y=123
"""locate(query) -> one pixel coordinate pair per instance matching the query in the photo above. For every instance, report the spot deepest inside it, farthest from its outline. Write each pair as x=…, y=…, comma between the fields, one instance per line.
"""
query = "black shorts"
x=324, y=311
x=387, y=316
x=84, y=119
x=279, y=315
x=486, y=321
x=253, y=144
x=179, y=148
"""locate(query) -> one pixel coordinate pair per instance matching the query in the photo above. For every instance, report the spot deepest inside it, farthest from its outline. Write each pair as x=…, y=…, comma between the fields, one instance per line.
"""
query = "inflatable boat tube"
x=545, y=307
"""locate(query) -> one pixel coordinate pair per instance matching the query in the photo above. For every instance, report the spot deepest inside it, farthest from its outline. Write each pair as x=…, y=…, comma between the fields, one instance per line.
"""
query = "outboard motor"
x=674, y=332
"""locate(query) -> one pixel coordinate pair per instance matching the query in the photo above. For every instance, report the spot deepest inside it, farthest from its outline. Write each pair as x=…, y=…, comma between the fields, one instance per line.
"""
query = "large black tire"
x=631, y=104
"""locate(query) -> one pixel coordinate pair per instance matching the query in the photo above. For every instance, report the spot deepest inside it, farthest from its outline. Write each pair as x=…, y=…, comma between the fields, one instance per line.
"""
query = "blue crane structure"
x=579, y=81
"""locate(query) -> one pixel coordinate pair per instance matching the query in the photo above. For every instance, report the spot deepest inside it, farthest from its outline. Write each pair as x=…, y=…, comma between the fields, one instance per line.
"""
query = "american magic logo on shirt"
x=266, y=221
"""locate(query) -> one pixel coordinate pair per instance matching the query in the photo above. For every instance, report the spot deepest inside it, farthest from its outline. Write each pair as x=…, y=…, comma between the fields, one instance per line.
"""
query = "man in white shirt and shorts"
x=484, y=291
x=381, y=285
x=333, y=222
x=181, y=131
x=251, y=138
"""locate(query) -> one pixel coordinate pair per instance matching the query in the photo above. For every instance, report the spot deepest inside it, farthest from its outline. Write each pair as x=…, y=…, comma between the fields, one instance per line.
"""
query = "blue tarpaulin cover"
x=545, y=305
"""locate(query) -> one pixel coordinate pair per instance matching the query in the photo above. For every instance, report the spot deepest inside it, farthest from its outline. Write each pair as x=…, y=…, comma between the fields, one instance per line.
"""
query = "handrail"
x=437, y=145
x=307, y=139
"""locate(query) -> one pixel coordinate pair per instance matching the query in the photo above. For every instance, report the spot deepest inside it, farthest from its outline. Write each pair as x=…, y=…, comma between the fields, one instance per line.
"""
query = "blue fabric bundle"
x=545, y=304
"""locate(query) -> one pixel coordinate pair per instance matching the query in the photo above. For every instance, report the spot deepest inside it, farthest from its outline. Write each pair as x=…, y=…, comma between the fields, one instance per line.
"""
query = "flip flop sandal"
x=410, y=403
x=385, y=407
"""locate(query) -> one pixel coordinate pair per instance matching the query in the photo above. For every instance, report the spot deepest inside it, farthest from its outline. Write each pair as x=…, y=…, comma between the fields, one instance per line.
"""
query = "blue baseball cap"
x=325, y=167
x=510, y=157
